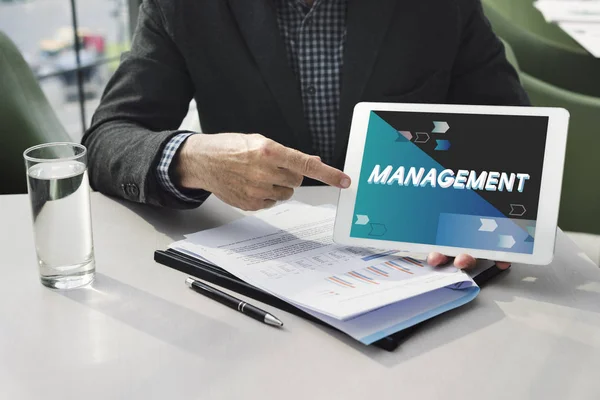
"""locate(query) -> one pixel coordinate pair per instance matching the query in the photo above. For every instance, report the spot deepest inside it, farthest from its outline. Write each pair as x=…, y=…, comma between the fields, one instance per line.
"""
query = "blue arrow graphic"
x=529, y=239
x=378, y=230
x=442, y=145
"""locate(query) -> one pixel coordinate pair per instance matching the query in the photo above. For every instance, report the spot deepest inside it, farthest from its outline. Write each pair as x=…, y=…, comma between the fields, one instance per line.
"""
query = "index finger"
x=313, y=167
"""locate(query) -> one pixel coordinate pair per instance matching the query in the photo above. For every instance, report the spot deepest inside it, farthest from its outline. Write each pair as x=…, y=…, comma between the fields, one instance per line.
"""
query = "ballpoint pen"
x=232, y=302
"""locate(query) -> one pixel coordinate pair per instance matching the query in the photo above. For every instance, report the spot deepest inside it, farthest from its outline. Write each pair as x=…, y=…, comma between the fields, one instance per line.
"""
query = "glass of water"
x=59, y=190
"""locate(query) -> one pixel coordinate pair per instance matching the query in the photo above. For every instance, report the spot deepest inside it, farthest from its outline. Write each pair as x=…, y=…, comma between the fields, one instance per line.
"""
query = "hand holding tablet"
x=462, y=261
x=453, y=179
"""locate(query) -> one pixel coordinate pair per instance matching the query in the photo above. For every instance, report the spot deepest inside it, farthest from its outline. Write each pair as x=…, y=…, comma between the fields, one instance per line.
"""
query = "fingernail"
x=345, y=183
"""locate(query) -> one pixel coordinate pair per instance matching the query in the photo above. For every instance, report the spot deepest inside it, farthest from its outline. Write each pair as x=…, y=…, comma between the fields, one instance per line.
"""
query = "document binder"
x=218, y=276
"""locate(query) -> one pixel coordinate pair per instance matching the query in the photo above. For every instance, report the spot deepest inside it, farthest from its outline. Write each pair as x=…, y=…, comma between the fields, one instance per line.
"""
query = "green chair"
x=543, y=50
x=26, y=117
x=580, y=200
x=524, y=14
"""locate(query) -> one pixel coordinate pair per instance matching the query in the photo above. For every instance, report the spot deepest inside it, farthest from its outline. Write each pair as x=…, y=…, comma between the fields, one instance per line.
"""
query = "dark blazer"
x=230, y=57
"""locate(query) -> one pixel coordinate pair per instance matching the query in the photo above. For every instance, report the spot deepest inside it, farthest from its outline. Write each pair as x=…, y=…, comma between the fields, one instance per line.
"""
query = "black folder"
x=218, y=276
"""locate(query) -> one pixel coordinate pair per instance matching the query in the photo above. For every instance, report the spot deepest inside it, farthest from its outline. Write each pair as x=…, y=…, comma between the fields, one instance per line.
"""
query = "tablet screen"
x=459, y=180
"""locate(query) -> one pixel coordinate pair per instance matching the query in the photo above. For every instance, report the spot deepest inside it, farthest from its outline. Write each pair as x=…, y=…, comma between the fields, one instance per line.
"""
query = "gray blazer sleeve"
x=142, y=106
x=481, y=74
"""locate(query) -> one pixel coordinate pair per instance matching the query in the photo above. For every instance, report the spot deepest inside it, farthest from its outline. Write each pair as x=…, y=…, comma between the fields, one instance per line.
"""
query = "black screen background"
x=501, y=143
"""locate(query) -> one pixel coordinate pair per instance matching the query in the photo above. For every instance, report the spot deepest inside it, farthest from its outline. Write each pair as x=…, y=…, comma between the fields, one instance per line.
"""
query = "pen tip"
x=271, y=320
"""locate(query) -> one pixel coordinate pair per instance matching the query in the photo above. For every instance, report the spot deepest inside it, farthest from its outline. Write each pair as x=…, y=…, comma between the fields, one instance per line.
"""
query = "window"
x=72, y=73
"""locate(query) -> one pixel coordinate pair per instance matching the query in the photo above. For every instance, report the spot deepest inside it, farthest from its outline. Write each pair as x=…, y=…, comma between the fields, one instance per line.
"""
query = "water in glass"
x=59, y=193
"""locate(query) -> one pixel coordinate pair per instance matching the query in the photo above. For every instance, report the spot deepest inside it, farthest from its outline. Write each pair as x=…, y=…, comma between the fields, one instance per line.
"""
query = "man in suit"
x=275, y=82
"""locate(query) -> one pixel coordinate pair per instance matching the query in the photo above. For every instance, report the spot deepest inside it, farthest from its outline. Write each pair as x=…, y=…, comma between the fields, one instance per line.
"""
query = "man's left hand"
x=462, y=261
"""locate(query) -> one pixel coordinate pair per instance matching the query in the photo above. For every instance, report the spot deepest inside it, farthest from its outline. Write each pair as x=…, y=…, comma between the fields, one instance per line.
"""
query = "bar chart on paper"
x=378, y=279
x=397, y=269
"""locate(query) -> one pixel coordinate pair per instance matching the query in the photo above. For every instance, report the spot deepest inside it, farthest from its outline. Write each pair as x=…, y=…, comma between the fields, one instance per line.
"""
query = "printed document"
x=288, y=251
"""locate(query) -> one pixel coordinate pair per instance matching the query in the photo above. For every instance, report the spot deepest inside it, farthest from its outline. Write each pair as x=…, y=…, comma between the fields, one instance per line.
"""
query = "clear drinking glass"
x=59, y=191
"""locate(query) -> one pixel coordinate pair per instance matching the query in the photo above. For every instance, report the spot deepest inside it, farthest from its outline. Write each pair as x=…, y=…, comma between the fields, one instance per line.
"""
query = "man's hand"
x=463, y=261
x=250, y=172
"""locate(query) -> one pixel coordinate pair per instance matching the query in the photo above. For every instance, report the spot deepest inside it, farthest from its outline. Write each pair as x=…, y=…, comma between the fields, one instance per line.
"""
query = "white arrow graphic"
x=440, y=127
x=488, y=225
x=517, y=210
x=506, y=241
x=422, y=137
x=362, y=219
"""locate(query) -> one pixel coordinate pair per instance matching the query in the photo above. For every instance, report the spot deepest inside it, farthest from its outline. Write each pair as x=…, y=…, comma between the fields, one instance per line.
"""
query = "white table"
x=139, y=333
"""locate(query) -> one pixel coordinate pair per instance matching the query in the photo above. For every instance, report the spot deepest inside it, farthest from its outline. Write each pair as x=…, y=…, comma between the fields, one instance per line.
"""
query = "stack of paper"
x=586, y=34
x=288, y=251
x=578, y=18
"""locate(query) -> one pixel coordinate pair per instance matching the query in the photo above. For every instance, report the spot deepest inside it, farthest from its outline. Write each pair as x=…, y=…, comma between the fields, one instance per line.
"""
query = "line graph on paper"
x=396, y=269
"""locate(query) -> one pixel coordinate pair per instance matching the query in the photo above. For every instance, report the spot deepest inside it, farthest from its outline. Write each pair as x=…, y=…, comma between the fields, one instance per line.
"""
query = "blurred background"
x=56, y=57
x=43, y=31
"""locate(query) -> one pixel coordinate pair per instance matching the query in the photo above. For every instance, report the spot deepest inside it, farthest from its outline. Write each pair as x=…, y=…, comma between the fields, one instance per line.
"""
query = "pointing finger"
x=313, y=167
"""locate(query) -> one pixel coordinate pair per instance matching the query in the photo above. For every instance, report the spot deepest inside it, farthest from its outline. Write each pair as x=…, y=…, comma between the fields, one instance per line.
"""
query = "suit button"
x=134, y=190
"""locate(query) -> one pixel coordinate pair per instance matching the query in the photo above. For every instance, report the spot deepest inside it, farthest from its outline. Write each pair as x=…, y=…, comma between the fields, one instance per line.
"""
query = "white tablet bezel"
x=547, y=218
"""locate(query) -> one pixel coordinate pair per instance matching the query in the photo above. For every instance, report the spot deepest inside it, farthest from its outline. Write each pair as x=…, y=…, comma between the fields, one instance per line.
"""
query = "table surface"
x=138, y=332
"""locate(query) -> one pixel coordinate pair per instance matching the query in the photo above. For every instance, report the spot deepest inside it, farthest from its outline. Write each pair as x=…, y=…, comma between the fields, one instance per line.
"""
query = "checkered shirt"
x=314, y=38
x=164, y=166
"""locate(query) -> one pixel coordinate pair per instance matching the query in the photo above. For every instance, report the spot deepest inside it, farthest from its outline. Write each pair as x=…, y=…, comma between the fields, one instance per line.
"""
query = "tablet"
x=482, y=180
